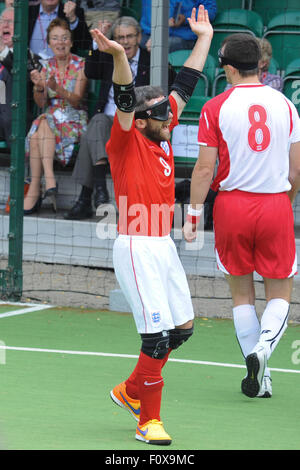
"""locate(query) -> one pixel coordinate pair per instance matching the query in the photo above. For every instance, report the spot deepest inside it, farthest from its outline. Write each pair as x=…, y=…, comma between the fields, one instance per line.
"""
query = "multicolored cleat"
x=152, y=432
x=119, y=396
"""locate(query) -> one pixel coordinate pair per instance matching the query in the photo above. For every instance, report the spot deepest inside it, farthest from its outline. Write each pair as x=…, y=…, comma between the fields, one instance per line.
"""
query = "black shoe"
x=35, y=208
x=101, y=195
x=81, y=210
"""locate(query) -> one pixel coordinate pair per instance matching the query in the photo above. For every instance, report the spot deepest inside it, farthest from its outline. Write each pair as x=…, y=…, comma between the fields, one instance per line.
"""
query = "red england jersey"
x=143, y=177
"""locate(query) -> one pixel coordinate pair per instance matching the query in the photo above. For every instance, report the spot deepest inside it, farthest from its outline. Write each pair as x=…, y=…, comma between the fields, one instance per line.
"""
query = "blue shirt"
x=183, y=31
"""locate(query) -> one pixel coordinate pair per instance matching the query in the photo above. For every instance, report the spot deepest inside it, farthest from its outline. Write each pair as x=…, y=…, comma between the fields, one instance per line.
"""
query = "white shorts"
x=153, y=281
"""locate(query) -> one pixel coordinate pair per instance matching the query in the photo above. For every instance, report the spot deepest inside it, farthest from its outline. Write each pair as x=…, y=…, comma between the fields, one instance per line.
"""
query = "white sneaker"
x=265, y=390
x=256, y=363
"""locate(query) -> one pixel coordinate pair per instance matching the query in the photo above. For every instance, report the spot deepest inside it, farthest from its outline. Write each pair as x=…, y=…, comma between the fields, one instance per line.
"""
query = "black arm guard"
x=185, y=82
x=124, y=97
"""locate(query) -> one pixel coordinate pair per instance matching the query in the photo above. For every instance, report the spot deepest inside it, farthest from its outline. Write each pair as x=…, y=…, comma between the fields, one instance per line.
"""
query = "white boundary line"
x=29, y=308
x=132, y=356
x=36, y=307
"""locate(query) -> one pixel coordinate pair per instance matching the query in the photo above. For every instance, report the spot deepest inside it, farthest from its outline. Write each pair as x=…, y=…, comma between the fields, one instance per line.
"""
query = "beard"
x=157, y=134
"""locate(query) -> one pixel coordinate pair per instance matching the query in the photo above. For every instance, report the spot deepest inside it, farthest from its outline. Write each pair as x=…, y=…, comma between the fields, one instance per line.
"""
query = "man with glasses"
x=91, y=162
x=254, y=131
x=6, y=77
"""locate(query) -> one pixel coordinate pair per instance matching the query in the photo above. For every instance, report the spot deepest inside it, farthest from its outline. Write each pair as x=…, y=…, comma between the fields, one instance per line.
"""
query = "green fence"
x=11, y=277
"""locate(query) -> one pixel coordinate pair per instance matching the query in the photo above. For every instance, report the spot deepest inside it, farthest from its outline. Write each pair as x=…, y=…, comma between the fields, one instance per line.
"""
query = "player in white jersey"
x=254, y=132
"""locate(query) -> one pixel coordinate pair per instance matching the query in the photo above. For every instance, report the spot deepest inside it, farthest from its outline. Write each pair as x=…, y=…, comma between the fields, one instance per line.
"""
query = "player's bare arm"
x=200, y=183
x=294, y=173
x=200, y=25
x=122, y=74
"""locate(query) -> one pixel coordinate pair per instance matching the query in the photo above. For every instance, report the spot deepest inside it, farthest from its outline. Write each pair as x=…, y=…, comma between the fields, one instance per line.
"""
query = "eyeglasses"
x=128, y=37
x=4, y=20
x=60, y=38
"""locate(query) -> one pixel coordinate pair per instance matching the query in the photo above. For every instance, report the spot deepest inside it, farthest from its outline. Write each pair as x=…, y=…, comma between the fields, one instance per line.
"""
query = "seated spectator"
x=61, y=85
x=41, y=15
x=101, y=14
x=6, y=65
x=91, y=162
x=180, y=34
x=266, y=78
x=6, y=46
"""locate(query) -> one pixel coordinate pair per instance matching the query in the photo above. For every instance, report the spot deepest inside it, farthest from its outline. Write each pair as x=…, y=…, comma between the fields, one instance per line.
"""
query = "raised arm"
x=122, y=78
x=187, y=77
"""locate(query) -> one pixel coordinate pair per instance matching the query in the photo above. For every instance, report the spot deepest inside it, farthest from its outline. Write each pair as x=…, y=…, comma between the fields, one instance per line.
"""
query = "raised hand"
x=106, y=45
x=200, y=24
x=69, y=10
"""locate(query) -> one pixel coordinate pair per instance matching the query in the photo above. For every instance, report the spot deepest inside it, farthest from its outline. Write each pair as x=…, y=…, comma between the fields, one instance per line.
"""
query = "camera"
x=33, y=62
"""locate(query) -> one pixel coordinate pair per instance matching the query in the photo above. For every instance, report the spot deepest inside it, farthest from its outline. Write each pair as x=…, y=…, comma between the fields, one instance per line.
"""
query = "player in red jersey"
x=145, y=258
x=254, y=131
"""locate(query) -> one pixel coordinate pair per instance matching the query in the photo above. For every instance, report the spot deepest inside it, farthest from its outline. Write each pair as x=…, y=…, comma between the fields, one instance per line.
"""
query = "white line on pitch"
x=133, y=356
x=28, y=309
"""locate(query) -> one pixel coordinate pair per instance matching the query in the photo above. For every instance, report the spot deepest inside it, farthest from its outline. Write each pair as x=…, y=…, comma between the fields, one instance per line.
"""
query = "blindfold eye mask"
x=238, y=65
x=159, y=111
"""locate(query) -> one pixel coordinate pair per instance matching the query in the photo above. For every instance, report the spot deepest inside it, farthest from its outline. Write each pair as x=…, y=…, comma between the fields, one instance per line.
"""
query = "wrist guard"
x=185, y=82
x=124, y=96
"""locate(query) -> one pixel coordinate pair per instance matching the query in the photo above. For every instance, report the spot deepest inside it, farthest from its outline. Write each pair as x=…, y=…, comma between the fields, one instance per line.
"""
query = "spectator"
x=101, y=14
x=61, y=84
x=266, y=78
x=6, y=65
x=40, y=16
x=180, y=35
x=6, y=46
x=91, y=163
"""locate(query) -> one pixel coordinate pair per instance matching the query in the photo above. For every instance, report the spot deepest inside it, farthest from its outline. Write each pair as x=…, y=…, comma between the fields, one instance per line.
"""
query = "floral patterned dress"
x=67, y=123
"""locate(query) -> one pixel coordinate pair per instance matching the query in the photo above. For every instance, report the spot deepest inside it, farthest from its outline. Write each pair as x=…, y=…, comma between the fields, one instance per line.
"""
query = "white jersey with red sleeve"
x=253, y=126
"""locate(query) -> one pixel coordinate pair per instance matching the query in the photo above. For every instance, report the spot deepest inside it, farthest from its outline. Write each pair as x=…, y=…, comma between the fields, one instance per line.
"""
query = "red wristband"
x=193, y=219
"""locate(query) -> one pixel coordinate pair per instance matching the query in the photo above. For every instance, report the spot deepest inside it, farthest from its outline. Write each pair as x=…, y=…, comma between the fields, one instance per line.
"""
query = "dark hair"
x=58, y=22
x=242, y=48
x=146, y=93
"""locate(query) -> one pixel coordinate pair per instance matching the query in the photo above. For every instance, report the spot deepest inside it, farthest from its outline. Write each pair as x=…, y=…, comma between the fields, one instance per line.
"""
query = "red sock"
x=131, y=383
x=150, y=384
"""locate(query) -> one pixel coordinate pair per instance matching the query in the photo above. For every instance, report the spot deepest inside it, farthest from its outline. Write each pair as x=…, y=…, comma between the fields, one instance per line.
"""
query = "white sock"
x=273, y=324
x=247, y=327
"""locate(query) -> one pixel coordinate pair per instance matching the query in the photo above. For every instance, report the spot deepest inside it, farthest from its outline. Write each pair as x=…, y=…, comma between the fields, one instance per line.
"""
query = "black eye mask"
x=159, y=111
x=238, y=65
